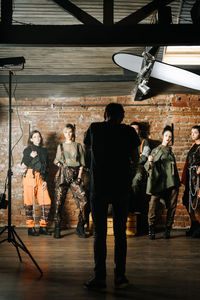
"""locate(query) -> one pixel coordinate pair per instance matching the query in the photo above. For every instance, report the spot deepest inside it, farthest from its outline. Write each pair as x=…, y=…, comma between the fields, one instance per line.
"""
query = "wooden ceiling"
x=68, y=45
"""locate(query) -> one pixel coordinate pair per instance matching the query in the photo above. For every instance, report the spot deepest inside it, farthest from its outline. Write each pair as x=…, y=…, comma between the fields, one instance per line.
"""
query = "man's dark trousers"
x=99, y=207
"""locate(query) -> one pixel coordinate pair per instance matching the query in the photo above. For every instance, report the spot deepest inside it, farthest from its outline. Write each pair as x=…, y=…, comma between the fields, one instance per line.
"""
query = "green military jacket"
x=163, y=174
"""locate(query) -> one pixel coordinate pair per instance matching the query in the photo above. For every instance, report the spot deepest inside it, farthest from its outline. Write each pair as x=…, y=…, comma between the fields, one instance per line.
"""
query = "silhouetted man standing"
x=112, y=149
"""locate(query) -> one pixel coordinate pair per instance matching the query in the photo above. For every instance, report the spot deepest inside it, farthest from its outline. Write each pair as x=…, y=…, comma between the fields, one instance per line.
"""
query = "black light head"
x=11, y=62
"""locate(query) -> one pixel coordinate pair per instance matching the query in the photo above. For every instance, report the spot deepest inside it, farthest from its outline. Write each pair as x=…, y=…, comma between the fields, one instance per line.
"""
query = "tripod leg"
x=3, y=230
x=26, y=250
x=3, y=241
x=6, y=227
x=14, y=242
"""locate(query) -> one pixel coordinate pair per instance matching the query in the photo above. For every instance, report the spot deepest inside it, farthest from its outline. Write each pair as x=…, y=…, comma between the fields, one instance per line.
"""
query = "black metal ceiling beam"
x=6, y=12
x=100, y=36
x=78, y=13
x=126, y=77
x=68, y=78
x=108, y=12
x=143, y=12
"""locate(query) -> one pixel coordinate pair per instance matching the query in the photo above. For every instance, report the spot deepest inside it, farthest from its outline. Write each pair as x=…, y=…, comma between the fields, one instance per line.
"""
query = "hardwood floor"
x=160, y=269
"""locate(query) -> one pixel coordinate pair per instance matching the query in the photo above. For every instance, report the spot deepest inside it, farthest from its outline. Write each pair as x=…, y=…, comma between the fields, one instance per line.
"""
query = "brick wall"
x=49, y=117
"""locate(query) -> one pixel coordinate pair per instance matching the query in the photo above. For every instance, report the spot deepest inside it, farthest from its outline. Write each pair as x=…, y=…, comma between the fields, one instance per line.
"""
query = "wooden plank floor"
x=160, y=269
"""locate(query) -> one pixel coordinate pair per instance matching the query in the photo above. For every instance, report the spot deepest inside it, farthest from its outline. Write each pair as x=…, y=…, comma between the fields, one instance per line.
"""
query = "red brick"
x=184, y=113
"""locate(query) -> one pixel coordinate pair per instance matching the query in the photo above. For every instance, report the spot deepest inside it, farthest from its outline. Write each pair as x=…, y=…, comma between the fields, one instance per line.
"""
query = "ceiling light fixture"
x=147, y=63
x=143, y=87
x=144, y=74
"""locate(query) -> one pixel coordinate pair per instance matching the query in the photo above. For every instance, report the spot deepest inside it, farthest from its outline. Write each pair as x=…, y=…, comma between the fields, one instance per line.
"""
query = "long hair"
x=30, y=143
x=144, y=128
x=73, y=128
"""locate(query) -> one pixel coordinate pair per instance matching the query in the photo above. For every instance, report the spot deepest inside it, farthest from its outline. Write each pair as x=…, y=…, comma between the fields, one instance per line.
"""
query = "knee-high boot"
x=152, y=232
x=30, y=221
x=80, y=231
x=57, y=230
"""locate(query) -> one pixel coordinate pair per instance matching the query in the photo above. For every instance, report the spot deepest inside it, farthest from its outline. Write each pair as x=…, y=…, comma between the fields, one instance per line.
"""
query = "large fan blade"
x=128, y=61
x=160, y=70
x=175, y=75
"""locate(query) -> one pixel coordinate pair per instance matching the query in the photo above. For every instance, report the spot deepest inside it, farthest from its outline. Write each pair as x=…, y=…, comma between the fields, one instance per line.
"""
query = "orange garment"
x=141, y=145
x=31, y=223
x=33, y=185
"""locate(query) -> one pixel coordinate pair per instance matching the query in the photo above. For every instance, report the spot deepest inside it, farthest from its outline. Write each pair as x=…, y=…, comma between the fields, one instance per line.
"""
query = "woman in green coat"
x=163, y=182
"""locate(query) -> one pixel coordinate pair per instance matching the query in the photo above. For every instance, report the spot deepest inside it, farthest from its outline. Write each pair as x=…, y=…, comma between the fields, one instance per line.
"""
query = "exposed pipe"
x=83, y=105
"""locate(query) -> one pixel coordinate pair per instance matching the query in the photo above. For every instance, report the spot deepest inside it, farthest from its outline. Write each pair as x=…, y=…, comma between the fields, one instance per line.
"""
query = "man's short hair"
x=114, y=110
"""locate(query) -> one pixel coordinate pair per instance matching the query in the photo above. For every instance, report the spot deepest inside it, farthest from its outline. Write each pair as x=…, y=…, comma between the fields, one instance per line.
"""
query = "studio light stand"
x=13, y=237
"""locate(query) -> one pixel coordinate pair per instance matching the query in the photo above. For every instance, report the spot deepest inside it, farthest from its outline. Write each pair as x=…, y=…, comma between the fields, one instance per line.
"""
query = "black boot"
x=57, y=231
x=166, y=234
x=120, y=280
x=151, y=232
x=192, y=229
x=196, y=233
x=80, y=231
x=44, y=230
x=95, y=284
x=32, y=231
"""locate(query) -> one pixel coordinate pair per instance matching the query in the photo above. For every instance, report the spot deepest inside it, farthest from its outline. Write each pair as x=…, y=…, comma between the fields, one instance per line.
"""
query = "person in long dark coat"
x=112, y=146
x=191, y=180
